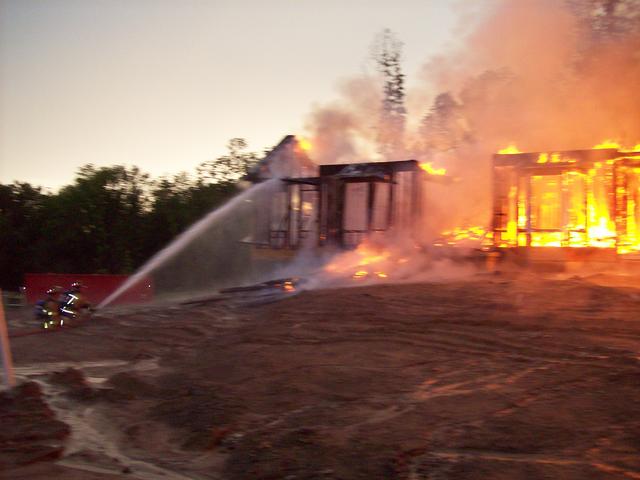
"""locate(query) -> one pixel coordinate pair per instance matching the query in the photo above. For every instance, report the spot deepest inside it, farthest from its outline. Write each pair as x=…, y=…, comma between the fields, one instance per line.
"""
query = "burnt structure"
x=342, y=205
x=580, y=198
x=361, y=199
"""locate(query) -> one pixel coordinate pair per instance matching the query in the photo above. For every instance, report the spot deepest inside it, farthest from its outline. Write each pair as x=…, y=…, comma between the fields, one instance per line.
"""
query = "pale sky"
x=164, y=84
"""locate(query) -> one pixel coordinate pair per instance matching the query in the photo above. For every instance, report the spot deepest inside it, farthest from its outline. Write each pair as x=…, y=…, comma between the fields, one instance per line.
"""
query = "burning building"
x=582, y=202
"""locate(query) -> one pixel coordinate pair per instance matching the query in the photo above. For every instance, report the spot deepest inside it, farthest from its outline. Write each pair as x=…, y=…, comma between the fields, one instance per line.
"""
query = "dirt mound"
x=30, y=433
x=195, y=408
x=310, y=454
x=128, y=386
x=74, y=383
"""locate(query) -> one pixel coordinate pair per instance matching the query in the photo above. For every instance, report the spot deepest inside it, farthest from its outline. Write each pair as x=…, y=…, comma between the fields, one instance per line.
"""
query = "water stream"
x=226, y=213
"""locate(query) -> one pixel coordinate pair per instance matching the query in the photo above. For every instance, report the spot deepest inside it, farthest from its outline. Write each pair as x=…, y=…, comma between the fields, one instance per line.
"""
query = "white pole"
x=5, y=350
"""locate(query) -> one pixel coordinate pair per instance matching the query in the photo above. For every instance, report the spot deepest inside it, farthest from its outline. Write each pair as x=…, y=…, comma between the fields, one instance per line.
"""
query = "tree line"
x=109, y=219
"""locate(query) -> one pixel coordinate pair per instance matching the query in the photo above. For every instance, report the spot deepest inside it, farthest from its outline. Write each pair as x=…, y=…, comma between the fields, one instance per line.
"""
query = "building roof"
x=286, y=159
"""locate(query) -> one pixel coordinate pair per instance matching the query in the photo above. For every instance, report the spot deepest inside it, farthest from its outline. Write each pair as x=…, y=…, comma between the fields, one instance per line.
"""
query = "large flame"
x=574, y=207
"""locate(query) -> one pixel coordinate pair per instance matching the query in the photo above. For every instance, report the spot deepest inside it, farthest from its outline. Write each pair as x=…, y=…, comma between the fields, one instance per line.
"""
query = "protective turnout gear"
x=73, y=302
x=48, y=310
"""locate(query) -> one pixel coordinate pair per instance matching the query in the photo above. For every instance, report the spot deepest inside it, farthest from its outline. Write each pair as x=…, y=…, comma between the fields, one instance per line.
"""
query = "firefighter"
x=48, y=310
x=74, y=302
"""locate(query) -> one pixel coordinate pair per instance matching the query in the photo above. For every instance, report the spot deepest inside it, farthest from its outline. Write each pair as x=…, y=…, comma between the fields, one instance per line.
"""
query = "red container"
x=97, y=287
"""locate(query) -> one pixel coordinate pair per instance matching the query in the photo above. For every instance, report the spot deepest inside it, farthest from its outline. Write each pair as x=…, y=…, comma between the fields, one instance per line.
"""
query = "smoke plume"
x=540, y=74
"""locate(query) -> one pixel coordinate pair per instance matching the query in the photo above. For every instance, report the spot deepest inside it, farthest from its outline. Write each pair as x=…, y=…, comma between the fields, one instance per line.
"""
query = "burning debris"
x=368, y=261
x=389, y=260
x=475, y=235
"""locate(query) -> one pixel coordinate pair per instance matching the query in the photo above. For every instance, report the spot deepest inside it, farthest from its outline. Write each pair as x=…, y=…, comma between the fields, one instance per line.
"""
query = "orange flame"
x=458, y=235
x=607, y=144
x=428, y=167
x=304, y=144
x=617, y=145
x=588, y=221
x=364, y=262
x=554, y=158
x=510, y=150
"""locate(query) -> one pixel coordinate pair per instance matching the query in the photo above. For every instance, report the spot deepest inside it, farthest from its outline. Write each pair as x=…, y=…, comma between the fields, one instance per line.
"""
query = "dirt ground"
x=494, y=377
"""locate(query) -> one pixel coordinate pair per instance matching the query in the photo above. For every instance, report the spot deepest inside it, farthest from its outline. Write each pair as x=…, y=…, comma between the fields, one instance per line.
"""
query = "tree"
x=180, y=201
x=96, y=222
x=444, y=127
x=387, y=53
x=110, y=219
x=22, y=230
x=606, y=20
x=228, y=168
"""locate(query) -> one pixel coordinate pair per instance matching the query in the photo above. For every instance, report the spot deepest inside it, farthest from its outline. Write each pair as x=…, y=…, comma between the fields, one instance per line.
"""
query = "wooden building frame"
x=590, y=198
x=317, y=206
x=401, y=208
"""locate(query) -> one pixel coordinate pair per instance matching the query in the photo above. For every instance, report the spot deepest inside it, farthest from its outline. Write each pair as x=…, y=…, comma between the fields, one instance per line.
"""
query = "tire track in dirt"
x=452, y=455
